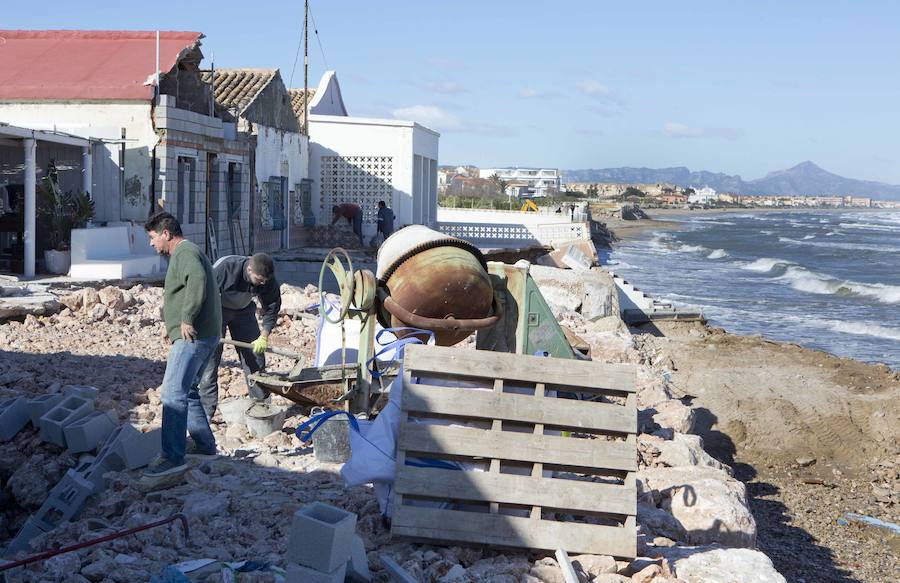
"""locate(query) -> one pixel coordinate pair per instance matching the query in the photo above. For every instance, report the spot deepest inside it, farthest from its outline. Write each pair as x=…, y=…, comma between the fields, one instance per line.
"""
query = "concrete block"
x=300, y=574
x=358, y=565
x=109, y=454
x=13, y=417
x=321, y=537
x=64, y=501
x=85, y=433
x=22, y=541
x=39, y=406
x=82, y=391
x=54, y=421
x=137, y=449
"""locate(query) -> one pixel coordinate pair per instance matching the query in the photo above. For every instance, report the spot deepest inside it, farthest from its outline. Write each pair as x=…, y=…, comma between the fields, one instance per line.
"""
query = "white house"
x=365, y=160
x=279, y=169
x=703, y=195
x=526, y=182
x=158, y=144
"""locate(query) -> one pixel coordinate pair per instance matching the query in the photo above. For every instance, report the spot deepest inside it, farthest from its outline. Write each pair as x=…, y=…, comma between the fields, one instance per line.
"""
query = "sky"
x=737, y=87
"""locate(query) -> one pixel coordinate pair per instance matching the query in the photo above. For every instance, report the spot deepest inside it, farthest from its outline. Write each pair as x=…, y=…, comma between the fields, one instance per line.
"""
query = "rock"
x=709, y=505
x=456, y=573
x=652, y=394
x=61, y=567
x=89, y=298
x=28, y=486
x=658, y=521
x=662, y=541
x=203, y=506
x=687, y=450
x=675, y=415
x=98, y=312
x=611, y=578
x=112, y=297
x=593, y=565
x=647, y=574
x=714, y=563
x=547, y=570
x=804, y=462
x=73, y=301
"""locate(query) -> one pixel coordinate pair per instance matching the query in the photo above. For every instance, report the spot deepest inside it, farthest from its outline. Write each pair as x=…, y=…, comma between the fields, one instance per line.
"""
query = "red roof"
x=92, y=65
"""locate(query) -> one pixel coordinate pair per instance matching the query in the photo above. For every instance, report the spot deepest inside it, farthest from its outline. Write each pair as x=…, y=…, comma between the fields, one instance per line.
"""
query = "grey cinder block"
x=84, y=434
x=321, y=537
x=22, y=541
x=13, y=417
x=82, y=391
x=64, y=501
x=39, y=405
x=358, y=565
x=54, y=421
x=109, y=454
x=137, y=449
x=300, y=574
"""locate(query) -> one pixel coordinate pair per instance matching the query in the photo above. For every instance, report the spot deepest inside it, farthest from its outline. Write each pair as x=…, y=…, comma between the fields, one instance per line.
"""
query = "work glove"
x=260, y=344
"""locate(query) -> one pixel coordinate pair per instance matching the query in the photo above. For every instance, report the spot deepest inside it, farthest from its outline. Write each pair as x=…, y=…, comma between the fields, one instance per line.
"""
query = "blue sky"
x=743, y=88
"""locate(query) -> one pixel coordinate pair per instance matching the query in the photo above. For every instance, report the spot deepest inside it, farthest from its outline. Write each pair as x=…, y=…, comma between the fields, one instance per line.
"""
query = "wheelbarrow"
x=324, y=385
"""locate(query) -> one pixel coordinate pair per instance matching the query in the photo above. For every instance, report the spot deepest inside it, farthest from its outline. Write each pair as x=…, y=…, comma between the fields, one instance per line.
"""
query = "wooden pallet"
x=536, y=434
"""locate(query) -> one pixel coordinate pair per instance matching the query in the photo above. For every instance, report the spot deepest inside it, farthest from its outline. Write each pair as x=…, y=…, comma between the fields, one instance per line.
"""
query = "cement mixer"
x=434, y=282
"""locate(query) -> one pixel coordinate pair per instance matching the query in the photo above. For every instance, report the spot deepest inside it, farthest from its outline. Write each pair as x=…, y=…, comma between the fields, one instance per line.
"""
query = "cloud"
x=436, y=118
x=532, y=93
x=445, y=87
x=606, y=102
x=680, y=130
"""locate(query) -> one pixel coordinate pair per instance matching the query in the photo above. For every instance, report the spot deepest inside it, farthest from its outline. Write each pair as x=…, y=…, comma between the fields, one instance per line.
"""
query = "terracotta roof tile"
x=235, y=89
x=298, y=99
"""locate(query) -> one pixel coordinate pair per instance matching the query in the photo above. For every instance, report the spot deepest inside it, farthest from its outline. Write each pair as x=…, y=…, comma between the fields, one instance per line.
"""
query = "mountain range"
x=805, y=178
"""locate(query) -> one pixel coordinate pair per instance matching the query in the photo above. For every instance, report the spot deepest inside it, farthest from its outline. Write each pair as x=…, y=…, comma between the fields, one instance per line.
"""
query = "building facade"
x=528, y=182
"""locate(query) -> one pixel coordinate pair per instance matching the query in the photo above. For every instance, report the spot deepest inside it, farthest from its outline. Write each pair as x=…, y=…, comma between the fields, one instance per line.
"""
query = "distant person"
x=192, y=312
x=572, y=211
x=240, y=280
x=352, y=213
x=385, y=223
x=559, y=210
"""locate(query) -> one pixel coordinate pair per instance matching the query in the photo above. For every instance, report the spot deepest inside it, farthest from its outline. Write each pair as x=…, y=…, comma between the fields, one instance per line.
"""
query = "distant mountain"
x=804, y=178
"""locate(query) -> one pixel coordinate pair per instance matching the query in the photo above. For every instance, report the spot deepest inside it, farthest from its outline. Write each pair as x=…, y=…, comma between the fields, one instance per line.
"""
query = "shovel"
x=274, y=349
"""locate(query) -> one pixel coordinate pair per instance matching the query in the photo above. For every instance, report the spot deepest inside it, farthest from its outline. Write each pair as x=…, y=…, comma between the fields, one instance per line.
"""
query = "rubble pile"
x=693, y=516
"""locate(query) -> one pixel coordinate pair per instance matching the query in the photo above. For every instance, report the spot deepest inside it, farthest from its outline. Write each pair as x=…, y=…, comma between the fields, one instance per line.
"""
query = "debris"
x=804, y=462
x=397, y=573
x=13, y=417
x=566, y=566
x=321, y=537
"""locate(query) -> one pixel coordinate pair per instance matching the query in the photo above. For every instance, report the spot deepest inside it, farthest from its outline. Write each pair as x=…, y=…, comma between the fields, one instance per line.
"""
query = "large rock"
x=89, y=298
x=709, y=505
x=714, y=564
x=18, y=302
x=112, y=297
x=687, y=450
x=28, y=486
x=675, y=415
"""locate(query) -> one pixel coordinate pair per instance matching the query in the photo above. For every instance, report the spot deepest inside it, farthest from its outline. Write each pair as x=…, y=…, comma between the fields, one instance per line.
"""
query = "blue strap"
x=395, y=345
x=316, y=421
x=432, y=463
x=415, y=331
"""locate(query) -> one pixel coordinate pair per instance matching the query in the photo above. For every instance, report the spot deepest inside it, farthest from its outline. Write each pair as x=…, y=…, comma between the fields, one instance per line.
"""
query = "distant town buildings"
x=526, y=182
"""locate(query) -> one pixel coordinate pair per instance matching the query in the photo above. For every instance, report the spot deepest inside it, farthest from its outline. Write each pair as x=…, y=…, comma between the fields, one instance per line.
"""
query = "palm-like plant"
x=63, y=211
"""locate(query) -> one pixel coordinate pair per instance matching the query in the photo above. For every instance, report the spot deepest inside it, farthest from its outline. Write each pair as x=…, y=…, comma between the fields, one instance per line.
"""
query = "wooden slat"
x=513, y=531
x=517, y=367
x=571, y=495
x=522, y=447
x=565, y=413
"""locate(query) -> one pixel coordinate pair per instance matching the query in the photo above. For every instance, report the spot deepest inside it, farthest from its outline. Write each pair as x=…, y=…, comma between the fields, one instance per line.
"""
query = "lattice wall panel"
x=361, y=180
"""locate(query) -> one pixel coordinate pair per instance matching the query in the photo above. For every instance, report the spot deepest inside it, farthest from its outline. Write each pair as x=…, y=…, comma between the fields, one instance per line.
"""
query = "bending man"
x=240, y=279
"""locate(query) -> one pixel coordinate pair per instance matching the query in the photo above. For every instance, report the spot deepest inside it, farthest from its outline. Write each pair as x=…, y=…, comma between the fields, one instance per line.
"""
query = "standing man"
x=352, y=213
x=240, y=279
x=192, y=313
x=385, y=222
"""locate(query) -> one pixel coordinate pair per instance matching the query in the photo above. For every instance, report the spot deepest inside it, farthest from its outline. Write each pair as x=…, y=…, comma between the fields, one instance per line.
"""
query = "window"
x=186, y=205
x=233, y=189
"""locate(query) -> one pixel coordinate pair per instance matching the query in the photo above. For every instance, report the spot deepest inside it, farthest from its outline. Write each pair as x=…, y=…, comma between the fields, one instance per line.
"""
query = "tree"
x=500, y=184
x=592, y=191
x=633, y=192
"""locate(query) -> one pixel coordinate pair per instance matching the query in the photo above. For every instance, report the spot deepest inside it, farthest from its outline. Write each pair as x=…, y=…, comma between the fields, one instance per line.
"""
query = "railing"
x=512, y=235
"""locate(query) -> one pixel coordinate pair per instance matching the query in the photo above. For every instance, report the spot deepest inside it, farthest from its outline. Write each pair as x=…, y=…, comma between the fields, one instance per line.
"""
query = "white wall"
x=277, y=150
x=100, y=120
x=401, y=140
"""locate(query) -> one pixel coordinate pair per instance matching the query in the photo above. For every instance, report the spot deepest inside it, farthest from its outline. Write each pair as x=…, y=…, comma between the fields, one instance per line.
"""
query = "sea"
x=828, y=280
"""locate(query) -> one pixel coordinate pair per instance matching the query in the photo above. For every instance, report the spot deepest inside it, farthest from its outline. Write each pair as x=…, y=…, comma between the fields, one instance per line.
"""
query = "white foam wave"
x=857, y=246
x=862, y=329
x=889, y=228
x=804, y=280
x=717, y=254
x=833, y=233
x=692, y=248
x=809, y=237
x=766, y=264
x=766, y=232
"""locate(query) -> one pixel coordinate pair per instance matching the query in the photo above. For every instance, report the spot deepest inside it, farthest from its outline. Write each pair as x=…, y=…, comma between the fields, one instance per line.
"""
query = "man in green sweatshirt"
x=192, y=310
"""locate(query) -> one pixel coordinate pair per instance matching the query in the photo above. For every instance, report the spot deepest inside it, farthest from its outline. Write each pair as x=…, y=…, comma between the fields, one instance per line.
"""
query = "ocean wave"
x=833, y=233
x=804, y=280
x=717, y=254
x=887, y=228
x=861, y=329
x=809, y=237
x=856, y=246
x=766, y=265
x=685, y=248
x=766, y=232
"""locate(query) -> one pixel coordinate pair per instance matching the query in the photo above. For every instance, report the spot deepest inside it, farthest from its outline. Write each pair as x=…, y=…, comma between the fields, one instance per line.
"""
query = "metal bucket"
x=233, y=409
x=434, y=282
x=331, y=441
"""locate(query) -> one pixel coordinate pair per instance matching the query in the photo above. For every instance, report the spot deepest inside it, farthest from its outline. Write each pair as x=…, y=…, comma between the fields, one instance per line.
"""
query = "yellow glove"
x=260, y=344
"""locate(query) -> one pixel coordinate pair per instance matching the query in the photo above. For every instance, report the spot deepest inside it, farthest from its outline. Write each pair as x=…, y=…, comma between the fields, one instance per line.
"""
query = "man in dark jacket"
x=240, y=279
x=385, y=223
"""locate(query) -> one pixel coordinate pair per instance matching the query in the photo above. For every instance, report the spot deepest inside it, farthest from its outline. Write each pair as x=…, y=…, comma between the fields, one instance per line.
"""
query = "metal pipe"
x=449, y=323
x=48, y=554
x=30, y=204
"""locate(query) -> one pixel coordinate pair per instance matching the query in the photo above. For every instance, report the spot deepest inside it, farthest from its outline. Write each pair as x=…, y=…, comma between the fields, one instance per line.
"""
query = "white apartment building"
x=526, y=182
x=703, y=195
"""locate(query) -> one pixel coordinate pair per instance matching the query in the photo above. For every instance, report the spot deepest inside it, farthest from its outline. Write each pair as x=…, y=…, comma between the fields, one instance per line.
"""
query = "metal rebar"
x=47, y=554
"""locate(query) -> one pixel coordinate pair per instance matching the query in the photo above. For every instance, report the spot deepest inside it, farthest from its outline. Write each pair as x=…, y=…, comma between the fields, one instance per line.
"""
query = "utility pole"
x=306, y=67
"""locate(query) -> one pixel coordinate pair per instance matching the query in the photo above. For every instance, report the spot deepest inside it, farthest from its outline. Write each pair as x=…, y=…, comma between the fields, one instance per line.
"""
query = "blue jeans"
x=182, y=411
